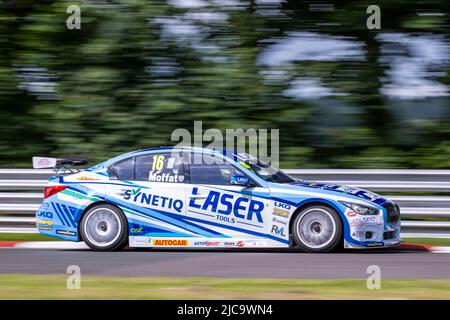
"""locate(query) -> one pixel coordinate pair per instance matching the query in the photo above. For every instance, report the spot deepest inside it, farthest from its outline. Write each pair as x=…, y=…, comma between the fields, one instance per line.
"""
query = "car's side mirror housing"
x=240, y=181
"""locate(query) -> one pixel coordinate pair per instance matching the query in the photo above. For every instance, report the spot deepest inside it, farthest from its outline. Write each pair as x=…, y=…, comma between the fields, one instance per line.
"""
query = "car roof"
x=233, y=155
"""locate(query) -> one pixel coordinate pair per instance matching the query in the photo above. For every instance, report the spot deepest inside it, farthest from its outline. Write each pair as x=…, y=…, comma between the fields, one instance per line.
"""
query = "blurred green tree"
x=137, y=70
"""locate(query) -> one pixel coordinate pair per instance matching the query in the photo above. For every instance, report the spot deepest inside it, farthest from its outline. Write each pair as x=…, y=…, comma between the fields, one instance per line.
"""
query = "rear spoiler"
x=57, y=163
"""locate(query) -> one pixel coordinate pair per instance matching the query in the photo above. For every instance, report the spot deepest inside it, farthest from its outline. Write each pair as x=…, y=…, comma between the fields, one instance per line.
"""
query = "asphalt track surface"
x=230, y=264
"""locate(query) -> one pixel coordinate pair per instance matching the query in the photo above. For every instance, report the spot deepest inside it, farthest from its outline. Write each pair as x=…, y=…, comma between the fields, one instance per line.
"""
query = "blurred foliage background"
x=342, y=96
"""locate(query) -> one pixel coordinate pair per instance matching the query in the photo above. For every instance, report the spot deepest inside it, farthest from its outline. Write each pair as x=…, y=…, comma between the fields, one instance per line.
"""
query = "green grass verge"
x=95, y=287
x=25, y=237
x=428, y=241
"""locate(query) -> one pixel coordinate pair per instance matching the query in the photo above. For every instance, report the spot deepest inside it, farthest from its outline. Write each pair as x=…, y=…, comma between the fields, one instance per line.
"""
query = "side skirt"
x=164, y=242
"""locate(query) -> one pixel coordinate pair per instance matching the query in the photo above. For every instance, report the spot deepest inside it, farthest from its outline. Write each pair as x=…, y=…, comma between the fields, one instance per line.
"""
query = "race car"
x=182, y=197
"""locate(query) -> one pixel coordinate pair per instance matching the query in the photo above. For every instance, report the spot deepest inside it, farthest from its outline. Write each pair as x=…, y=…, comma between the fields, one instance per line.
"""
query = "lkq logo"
x=249, y=141
x=45, y=214
x=282, y=205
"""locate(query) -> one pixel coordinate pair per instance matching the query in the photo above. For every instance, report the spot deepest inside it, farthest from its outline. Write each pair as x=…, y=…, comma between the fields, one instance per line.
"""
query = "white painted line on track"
x=59, y=245
x=440, y=250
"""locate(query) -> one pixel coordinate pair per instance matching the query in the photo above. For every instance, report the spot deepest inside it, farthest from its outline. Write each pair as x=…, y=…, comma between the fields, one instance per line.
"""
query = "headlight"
x=360, y=209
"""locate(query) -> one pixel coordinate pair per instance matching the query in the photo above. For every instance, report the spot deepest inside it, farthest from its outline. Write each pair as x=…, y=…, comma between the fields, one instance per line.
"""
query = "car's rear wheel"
x=317, y=229
x=104, y=228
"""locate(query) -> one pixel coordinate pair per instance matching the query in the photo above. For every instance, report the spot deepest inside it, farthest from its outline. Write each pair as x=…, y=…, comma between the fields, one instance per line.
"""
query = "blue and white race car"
x=195, y=198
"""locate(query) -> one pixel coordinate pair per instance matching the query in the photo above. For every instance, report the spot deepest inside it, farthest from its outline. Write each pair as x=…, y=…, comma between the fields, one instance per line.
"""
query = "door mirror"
x=240, y=181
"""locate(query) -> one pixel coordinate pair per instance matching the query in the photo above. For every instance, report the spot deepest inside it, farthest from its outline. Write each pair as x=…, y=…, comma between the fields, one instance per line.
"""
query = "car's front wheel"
x=317, y=229
x=104, y=228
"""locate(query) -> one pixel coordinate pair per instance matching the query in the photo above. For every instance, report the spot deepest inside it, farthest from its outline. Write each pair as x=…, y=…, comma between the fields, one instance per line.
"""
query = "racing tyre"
x=317, y=229
x=104, y=228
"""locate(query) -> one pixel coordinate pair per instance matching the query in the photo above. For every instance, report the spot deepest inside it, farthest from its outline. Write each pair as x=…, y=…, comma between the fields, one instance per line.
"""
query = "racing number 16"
x=158, y=163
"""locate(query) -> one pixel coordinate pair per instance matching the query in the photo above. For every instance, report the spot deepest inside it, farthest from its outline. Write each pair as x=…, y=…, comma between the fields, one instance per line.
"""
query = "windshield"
x=267, y=172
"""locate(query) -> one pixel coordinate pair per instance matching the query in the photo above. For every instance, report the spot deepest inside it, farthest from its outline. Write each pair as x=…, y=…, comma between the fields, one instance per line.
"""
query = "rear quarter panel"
x=59, y=215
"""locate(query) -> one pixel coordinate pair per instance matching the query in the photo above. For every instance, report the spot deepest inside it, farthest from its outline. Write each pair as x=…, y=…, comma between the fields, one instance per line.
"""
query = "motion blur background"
x=342, y=96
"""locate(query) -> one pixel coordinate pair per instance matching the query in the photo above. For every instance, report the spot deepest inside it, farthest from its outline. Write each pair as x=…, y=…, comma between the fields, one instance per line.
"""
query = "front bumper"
x=370, y=245
x=372, y=231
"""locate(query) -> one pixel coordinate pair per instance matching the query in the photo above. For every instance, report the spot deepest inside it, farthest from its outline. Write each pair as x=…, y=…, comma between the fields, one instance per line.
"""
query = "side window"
x=122, y=170
x=205, y=170
x=160, y=167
